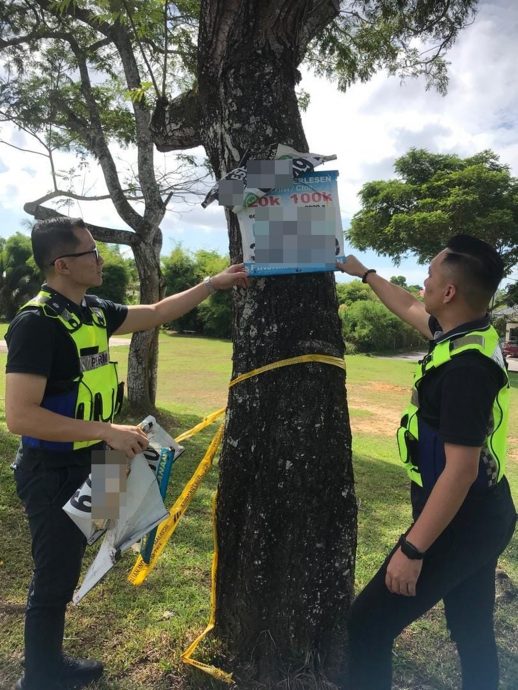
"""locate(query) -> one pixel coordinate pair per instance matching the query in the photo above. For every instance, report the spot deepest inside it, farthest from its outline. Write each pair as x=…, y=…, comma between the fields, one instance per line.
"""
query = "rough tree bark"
x=286, y=517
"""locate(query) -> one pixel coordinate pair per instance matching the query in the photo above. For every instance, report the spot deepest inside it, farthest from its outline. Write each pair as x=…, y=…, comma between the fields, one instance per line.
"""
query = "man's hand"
x=233, y=275
x=130, y=440
x=352, y=266
x=402, y=574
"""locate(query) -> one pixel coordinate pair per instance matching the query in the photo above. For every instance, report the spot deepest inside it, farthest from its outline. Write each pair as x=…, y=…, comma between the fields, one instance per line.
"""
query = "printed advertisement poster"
x=296, y=229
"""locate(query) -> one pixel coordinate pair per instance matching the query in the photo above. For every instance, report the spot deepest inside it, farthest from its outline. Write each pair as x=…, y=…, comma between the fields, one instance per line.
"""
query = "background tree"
x=20, y=278
x=286, y=511
x=116, y=275
x=367, y=325
x=183, y=269
x=180, y=273
x=371, y=327
x=353, y=291
x=434, y=197
x=75, y=77
x=399, y=280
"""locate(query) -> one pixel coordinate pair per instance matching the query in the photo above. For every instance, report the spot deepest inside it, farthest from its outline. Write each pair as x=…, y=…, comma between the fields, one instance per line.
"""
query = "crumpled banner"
x=303, y=164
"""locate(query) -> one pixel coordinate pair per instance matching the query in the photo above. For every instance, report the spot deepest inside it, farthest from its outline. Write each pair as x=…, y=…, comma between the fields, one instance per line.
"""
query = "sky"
x=367, y=127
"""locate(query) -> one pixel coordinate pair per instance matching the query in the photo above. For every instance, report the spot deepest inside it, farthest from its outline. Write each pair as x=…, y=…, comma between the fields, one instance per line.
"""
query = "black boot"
x=74, y=674
x=77, y=673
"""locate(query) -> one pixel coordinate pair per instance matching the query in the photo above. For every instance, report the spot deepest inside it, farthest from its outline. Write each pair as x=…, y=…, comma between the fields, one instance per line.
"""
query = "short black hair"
x=54, y=237
x=478, y=266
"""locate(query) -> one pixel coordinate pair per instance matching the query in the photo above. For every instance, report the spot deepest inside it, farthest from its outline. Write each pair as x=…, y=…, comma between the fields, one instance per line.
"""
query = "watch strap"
x=409, y=549
x=364, y=276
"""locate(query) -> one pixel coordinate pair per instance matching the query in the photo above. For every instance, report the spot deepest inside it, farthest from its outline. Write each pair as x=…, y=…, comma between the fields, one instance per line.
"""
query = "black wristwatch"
x=409, y=549
x=367, y=272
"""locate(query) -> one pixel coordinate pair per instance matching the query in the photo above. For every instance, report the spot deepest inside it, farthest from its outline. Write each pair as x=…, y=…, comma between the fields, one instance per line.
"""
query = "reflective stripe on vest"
x=493, y=451
x=95, y=394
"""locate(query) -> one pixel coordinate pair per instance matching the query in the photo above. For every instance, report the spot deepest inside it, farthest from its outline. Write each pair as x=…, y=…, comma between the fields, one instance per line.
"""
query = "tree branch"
x=19, y=148
x=97, y=142
x=177, y=124
x=141, y=48
x=319, y=14
x=99, y=232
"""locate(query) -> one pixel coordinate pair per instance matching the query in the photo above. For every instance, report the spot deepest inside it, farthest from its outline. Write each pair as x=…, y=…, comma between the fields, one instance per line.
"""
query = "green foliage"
x=436, y=197
x=353, y=291
x=367, y=325
x=116, y=275
x=180, y=272
x=215, y=315
x=377, y=34
x=399, y=280
x=371, y=327
x=183, y=269
x=511, y=294
x=20, y=278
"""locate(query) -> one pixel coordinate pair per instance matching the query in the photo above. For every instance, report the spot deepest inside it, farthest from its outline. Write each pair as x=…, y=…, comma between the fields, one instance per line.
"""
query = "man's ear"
x=449, y=293
x=61, y=267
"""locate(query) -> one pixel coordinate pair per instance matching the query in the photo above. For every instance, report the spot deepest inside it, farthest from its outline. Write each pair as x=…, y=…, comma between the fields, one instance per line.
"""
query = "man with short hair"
x=452, y=440
x=62, y=393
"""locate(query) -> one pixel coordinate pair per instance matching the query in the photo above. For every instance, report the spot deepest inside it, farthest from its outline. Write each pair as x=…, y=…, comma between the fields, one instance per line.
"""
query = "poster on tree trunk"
x=295, y=229
x=288, y=213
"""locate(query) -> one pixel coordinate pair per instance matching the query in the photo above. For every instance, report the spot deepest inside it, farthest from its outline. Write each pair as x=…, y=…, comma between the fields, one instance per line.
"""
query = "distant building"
x=510, y=314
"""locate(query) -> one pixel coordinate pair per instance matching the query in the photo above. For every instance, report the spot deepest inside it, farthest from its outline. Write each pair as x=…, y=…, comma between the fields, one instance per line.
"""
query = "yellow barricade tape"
x=202, y=425
x=141, y=569
x=300, y=359
x=186, y=657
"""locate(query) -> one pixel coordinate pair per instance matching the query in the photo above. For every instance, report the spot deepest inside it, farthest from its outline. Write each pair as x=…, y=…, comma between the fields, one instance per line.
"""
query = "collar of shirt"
x=80, y=310
x=439, y=335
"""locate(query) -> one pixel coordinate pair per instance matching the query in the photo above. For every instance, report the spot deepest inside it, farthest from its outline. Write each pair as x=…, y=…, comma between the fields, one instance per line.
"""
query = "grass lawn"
x=140, y=632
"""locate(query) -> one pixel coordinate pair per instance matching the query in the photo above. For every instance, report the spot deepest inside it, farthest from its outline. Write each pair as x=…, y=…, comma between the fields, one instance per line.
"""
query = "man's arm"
x=25, y=416
x=444, y=502
x=143, y=317
x=399, y=301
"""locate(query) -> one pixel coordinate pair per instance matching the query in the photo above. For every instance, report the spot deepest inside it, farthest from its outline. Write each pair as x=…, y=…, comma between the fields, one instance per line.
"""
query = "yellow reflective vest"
x=485, y=341
x=95, y=394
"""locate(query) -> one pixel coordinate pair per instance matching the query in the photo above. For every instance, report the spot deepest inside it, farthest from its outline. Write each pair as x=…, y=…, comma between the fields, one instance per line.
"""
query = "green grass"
x=140, y=632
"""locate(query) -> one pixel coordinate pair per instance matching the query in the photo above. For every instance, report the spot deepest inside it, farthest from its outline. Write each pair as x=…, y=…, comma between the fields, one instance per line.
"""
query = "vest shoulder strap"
x=485, y=341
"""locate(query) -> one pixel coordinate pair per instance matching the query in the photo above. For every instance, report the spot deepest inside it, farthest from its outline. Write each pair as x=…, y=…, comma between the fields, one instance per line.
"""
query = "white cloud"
x=374, y=123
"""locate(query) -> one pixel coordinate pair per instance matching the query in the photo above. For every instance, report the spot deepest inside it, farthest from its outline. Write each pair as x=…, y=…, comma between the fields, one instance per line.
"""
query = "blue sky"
x=368, y=128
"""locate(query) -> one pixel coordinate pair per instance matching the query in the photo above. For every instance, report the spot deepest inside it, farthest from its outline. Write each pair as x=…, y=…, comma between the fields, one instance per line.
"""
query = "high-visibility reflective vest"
x=485, y=341
x=95, y=394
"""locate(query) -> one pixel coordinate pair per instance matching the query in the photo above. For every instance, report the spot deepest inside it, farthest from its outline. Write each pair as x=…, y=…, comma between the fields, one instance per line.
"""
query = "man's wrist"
x=367, y=273
x=409, y=550
x=208, y=281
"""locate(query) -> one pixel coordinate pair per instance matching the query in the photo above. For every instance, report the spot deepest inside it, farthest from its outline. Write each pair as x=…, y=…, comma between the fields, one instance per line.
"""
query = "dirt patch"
x=382, y=420
x=387, y=387
x=376, y=425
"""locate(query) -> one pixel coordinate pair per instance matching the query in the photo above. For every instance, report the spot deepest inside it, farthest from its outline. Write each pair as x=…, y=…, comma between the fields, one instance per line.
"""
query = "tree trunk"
x=286, y=516
x=143, y=354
